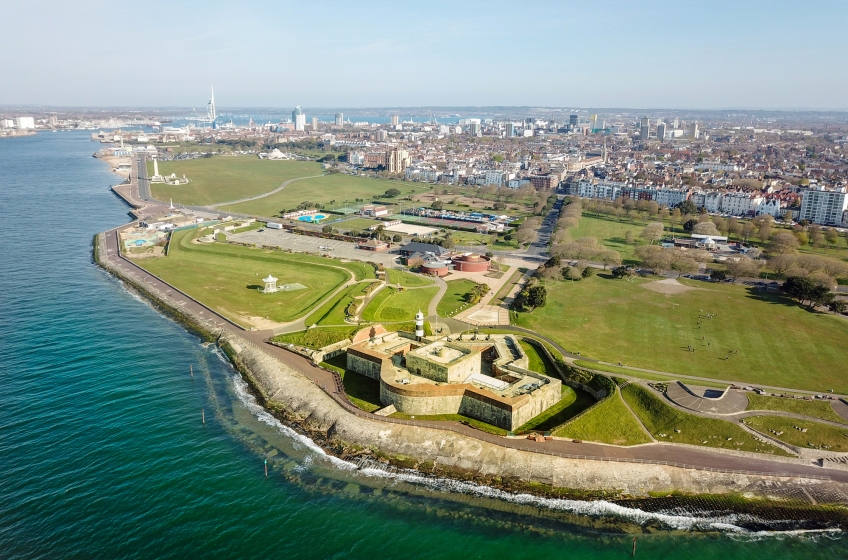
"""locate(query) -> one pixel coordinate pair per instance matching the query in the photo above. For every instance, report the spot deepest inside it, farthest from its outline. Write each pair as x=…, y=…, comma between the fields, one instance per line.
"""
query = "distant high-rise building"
x=339, y=119
x=299, y=119
x=395, y=120
x=593, y=120
x=644, y=129
x=397, y=160
x=510, y=130
x=314, y=123
x=474, y=129
x=572, y=120
x=381, y=135
x=24, y=123
x=660, y=130
x=675, y=123
x=693, y=130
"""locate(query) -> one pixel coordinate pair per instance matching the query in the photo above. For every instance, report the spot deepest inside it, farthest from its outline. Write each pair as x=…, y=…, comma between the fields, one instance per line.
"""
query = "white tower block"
x=419, y=324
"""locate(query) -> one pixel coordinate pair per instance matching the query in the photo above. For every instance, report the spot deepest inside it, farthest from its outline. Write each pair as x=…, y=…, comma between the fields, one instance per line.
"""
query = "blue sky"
x=651, y=54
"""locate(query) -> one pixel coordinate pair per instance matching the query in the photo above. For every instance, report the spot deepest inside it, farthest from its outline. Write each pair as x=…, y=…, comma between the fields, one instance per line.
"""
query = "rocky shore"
x=300, y=403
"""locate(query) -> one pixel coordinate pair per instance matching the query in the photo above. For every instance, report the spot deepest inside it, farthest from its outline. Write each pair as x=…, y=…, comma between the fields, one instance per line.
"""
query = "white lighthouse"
x=419, y=324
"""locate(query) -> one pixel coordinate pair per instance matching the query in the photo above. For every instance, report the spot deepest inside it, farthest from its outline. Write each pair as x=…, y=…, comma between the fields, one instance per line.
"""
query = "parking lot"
x=305, y=244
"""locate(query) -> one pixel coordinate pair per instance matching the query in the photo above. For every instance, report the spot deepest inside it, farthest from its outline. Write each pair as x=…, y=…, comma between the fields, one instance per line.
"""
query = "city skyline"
x=752, y=55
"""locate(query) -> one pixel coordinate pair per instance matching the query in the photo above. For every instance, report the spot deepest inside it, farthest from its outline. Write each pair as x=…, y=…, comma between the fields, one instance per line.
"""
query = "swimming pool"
x=312, y=218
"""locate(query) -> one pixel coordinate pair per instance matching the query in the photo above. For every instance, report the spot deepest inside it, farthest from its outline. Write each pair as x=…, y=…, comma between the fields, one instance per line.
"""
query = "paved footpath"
x=655, y=452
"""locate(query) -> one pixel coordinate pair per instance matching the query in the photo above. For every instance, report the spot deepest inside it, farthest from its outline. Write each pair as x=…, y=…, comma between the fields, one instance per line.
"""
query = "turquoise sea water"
x=103, y=453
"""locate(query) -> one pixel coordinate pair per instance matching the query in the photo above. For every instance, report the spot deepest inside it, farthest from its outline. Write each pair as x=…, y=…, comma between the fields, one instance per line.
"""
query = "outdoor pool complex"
x=313, y=218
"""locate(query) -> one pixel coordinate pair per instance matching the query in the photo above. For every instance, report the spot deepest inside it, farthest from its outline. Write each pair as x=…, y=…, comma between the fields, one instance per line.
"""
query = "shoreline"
x=299, y=403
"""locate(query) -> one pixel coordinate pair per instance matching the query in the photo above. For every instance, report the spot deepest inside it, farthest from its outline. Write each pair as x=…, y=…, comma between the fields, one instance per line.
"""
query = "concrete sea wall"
x=297, y=400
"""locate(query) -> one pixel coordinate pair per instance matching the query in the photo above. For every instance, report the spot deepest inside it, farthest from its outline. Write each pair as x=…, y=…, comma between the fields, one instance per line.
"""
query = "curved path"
x=656, y=453
x=269, y=193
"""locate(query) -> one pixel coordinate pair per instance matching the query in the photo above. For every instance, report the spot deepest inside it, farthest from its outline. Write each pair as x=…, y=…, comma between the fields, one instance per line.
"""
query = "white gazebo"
x=270, y=285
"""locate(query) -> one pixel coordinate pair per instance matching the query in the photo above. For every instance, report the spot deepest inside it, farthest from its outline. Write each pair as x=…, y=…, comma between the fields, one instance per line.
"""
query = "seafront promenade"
x=654, y=453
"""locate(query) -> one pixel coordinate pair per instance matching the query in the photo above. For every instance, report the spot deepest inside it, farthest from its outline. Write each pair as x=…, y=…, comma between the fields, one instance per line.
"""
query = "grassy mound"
x=608, y=422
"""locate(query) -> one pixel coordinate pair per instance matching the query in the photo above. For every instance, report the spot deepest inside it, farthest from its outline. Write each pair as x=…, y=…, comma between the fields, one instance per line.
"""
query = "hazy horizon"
x=748, y=56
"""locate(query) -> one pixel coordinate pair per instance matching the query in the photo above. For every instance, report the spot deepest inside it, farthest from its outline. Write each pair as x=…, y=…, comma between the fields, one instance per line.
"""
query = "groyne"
x=299, y=402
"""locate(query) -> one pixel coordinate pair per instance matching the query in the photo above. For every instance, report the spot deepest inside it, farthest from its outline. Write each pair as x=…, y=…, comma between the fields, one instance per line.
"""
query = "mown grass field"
x=609, y=422
x=817, y=435
x=570, y=405
x=407, y=279
x=609, y=232
x=779, y=343
x=454, y=297
x=317, y=337
x=815, y=409
x=393, y=305
x=223, y=178
x=333, y=312
x=228, y=277
x=323, y=189
x=663, y=421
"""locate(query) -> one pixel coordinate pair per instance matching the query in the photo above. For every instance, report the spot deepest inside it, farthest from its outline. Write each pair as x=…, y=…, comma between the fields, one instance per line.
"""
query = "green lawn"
x=818, y=435
x=640, y=374
x=609, y=422
x=609, y=233
x=570, y=405
x=357, y=224
x=333, y=312
x=223, y=178
x=662, y=420
x=228, y=277
x=815, y=409
x=779, y=343
x=537, y=361
x=507, y=286
x=362, y=391
x=454, y=297
x=407, y=279
x=323, y=189
x=393, y=305
x=317, y=337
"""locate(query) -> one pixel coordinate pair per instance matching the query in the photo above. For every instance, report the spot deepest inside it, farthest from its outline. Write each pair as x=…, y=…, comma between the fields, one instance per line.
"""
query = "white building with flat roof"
x=825, y=207
x=24, y=123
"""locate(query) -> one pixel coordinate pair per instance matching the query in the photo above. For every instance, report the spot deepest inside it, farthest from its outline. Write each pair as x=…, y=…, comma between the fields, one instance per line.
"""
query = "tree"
x=718, y=275
x=327, y=229
x=437, y=205
x=553, y=262
x=391, y=193
x=621, y=272
x=747, y=230
x=783, y=243
x=653, y=232
x=675, y=217
x=537, y=296
x=832, y=236
x=787, y=216
x=628, y=237
x=687, y=207
x=682, y=265
x=587, y=272
x=690, y=225
x=743, y=267
x=705, y=228
x=764, y=231
x=781, y=263
x=838, y=306
x=609, y=258
x=397, y=238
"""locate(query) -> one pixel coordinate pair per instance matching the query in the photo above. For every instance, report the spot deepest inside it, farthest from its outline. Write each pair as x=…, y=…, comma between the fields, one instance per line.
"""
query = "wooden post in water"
x=633, y=552
x=203, y=415
x=191, y=370
x=266, y=468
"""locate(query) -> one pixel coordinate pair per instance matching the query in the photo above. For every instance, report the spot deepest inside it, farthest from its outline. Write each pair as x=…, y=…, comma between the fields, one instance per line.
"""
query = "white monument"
x=156, y=177
x=419, y=324
x=270, y=285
